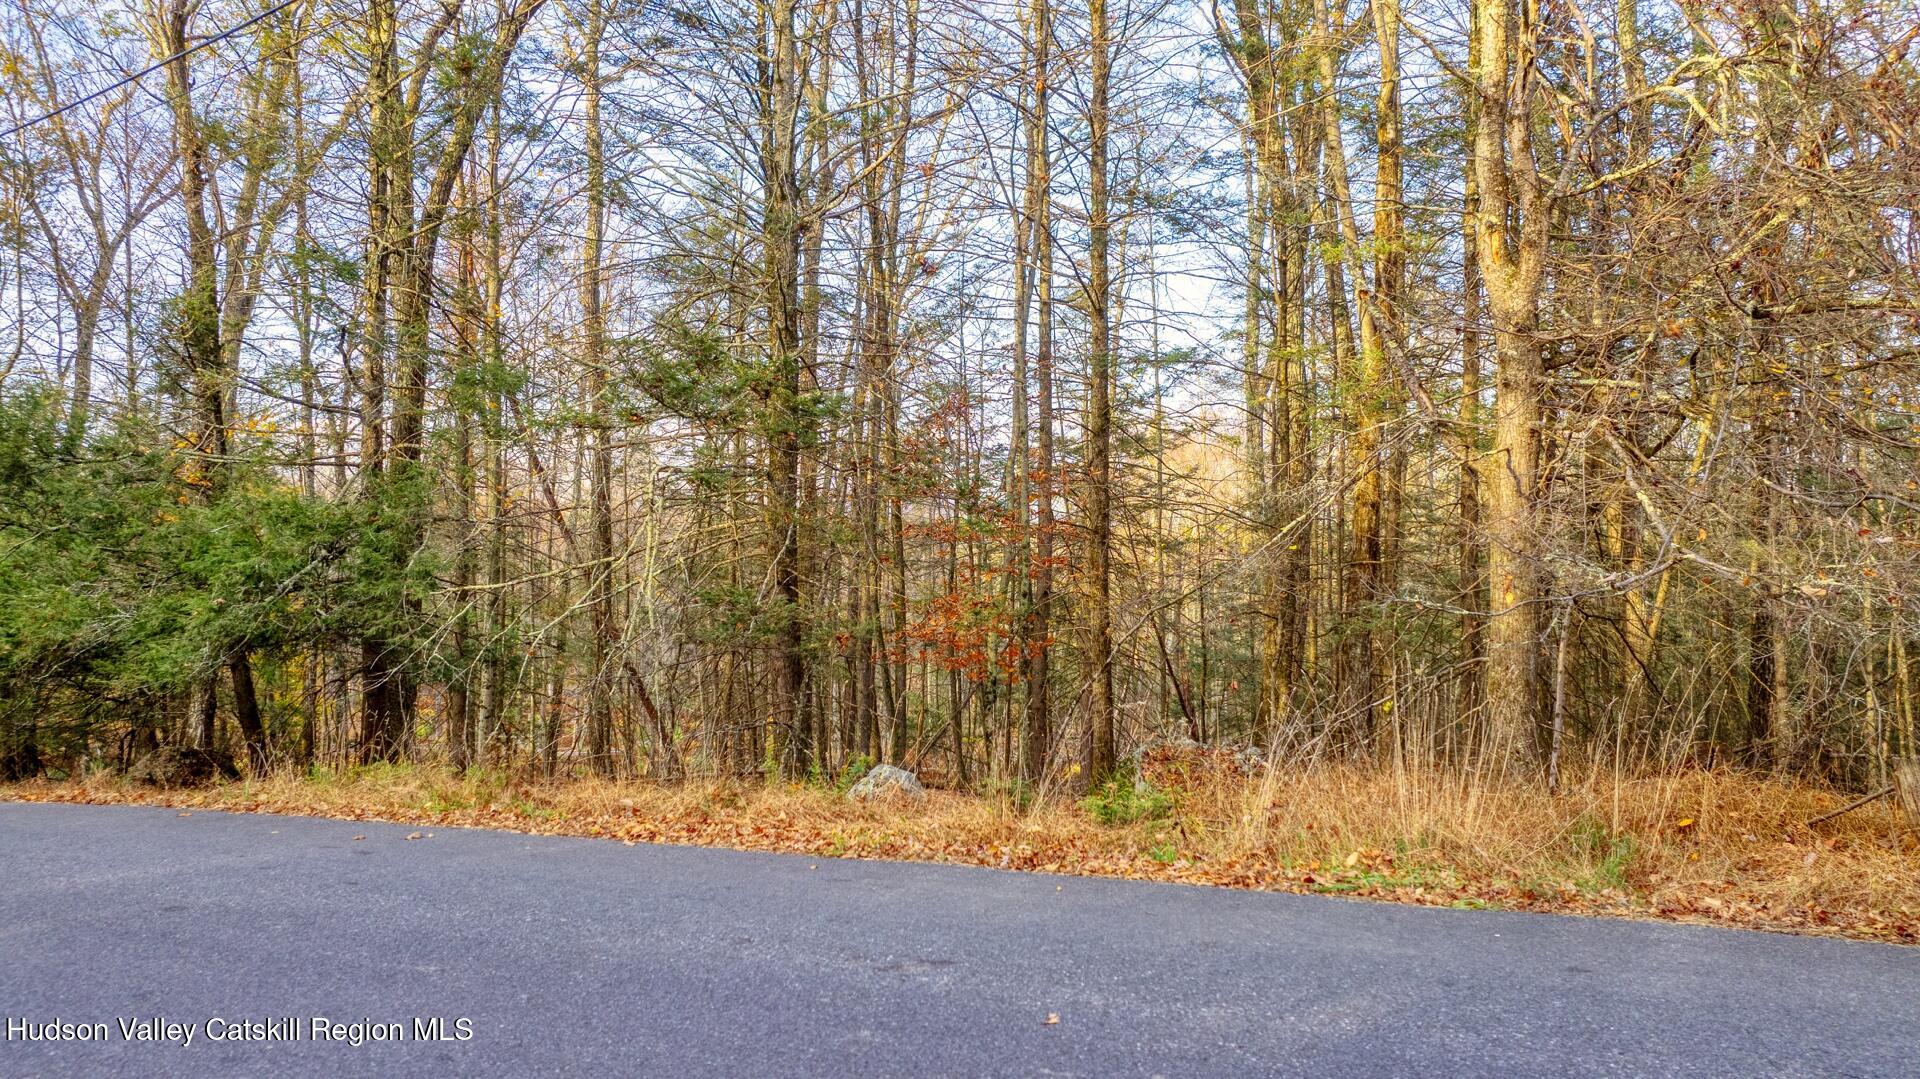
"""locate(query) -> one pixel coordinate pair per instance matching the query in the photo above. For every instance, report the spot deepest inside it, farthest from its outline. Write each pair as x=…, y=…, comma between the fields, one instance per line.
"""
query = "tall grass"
x=1714, y=844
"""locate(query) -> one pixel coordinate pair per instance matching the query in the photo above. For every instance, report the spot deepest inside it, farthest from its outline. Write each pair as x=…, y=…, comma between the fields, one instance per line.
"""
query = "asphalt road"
x=571, y=956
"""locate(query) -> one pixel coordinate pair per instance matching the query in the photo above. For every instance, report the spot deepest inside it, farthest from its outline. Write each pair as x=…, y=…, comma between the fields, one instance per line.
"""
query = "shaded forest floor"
x=1700, y=846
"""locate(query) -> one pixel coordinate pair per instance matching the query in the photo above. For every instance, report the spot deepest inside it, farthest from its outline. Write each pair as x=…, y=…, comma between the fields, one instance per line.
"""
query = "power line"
x=149, y=69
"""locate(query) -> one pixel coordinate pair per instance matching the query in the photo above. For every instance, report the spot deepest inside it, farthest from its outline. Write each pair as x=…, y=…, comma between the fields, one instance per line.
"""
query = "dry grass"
x=1696, y=845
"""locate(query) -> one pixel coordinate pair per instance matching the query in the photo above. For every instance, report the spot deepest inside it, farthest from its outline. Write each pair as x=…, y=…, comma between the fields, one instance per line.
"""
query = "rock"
x=884, y=782
x=181, y=766
x=1250, y=759
x=1178, y=745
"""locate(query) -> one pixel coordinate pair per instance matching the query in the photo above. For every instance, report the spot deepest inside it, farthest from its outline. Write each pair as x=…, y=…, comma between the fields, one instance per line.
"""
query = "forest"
x=671, y=389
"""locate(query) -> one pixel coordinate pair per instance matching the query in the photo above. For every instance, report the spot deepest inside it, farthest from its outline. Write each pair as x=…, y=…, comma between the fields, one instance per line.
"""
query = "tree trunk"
x=1101, y=752
x=600, y=571
x=246, y=712
x=1511, y=242
x=1036, y=737
x=784, y=421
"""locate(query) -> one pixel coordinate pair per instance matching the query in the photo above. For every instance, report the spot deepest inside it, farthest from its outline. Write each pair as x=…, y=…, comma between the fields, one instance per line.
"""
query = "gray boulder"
x=181, y=766
x=1250, y=759
x=884, y=782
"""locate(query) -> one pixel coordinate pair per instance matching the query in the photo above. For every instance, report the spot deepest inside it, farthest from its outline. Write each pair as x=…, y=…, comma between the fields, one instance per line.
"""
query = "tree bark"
x=1511, y=225
x=1101, y=752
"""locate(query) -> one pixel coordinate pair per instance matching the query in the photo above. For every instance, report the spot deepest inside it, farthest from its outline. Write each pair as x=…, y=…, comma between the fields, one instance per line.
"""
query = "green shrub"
x=1598, y=857
x=1126, y=800
x=852, y=772
x=1013, y=791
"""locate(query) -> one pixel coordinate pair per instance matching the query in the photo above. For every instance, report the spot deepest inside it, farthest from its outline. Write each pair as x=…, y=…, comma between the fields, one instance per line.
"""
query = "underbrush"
x=1127, y=799
x=1716, y=846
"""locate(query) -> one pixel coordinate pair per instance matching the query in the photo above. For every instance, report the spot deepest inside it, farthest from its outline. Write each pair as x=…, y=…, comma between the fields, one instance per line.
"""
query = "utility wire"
x=149, y=69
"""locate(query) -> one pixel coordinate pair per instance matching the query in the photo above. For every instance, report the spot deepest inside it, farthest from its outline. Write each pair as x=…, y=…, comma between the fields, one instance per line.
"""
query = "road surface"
x=557, y=956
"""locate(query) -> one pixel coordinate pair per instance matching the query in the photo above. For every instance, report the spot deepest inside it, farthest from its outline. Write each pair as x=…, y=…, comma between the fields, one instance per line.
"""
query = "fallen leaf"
x=1053, y=1019
x=358, y=838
